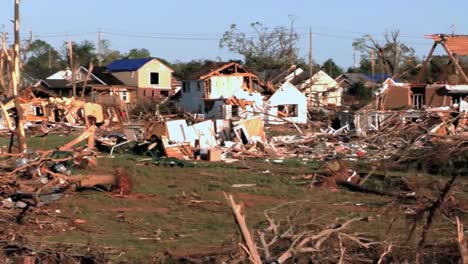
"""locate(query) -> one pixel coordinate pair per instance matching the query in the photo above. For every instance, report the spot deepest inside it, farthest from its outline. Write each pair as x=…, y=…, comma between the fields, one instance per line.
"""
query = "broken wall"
x=178, y=132
x=397, y=97
x=436, y=96
x=252, y=129
x=205, y=133
x=287, y=94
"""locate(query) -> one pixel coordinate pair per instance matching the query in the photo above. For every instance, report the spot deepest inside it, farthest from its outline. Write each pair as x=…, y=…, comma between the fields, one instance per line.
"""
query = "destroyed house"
x=151, y=77
x=113, y=86
x=61, y=83
x=287, y=104
x=322, y=90
x=97, y=83
x=451, y=93
x=420, y=96
x=223, y=90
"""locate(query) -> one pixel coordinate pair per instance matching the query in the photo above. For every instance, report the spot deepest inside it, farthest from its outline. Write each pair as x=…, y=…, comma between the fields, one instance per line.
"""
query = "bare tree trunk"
x=72, y=66
x=16, y=51
x=20, y=134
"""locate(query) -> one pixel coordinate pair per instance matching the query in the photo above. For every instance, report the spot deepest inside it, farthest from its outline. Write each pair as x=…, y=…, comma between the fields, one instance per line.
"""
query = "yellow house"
x=151, y=77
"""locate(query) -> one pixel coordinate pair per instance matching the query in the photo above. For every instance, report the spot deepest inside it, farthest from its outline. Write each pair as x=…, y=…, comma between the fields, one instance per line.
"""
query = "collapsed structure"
x=225, y=90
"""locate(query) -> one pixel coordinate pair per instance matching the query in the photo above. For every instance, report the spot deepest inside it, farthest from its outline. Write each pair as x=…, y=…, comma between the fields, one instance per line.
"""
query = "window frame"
x=151, y=78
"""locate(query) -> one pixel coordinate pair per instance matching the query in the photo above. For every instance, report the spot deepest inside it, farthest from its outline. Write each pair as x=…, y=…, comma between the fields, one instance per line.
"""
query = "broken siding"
x=193, y=95
x=325, y=88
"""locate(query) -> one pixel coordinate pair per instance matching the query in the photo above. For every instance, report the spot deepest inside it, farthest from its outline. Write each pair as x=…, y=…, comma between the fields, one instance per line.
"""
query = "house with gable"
x=223, y=90
x=61, y=84
x=287, y=104
x=322, y=89
x=152, y=78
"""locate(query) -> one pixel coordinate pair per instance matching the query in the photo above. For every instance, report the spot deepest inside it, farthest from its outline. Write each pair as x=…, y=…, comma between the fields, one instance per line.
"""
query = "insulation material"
x=94, y=110
x=225, y=86
x=251, y=130
x=397, y=97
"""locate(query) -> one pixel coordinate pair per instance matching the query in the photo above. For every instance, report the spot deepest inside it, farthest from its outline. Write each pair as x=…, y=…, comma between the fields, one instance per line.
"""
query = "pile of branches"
x=296, y=239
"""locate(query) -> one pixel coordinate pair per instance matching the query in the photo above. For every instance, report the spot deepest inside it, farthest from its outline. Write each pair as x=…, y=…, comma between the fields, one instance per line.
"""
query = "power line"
x=156, y=37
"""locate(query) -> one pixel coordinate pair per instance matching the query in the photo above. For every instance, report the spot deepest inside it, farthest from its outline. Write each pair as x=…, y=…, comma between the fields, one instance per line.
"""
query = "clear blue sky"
x=185, y=30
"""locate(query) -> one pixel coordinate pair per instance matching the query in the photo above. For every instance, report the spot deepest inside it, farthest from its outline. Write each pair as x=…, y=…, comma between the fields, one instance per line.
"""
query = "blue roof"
x=378, y=77
x=127, y=64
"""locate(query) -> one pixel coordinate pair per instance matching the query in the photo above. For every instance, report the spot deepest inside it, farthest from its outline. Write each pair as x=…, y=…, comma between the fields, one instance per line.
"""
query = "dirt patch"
x=201, y=252
x=138, y=196
x=252, y=200
x=146, y=209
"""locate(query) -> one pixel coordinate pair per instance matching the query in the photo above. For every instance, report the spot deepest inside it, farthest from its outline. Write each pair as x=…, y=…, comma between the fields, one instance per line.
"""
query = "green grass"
x=161, y=197
x=43, y=143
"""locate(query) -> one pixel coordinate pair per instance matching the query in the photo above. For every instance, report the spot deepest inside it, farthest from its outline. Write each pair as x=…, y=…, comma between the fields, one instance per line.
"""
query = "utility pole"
x=311, y=66
x=99, y=49
x=16, y=77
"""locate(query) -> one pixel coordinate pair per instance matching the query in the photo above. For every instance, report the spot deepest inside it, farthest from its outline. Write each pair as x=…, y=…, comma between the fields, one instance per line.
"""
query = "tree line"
x=42, y=59
x=266, y=50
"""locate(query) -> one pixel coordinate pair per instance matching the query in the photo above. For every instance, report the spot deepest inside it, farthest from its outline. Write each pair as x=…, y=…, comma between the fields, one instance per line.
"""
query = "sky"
x=179, y=30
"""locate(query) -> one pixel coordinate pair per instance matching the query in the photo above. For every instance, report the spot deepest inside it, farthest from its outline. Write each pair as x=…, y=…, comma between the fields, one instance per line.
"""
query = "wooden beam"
x=454, y=61
x=6, y=117
x=87, y=133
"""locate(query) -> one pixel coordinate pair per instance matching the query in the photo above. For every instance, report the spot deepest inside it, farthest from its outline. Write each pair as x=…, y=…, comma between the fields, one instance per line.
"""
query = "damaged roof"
x=106, y=76
x=457, y=44
x=218, y=68
x=354, y=78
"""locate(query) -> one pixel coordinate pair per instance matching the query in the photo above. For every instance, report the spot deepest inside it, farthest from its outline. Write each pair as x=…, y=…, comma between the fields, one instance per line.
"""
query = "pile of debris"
x=44, y=116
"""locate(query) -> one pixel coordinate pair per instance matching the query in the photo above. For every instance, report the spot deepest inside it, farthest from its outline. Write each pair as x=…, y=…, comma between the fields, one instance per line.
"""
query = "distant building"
x=152, y=78
x=346, y=80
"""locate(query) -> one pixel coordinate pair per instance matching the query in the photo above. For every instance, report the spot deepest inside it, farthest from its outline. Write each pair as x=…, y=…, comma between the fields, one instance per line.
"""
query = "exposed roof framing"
x=454, y=45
